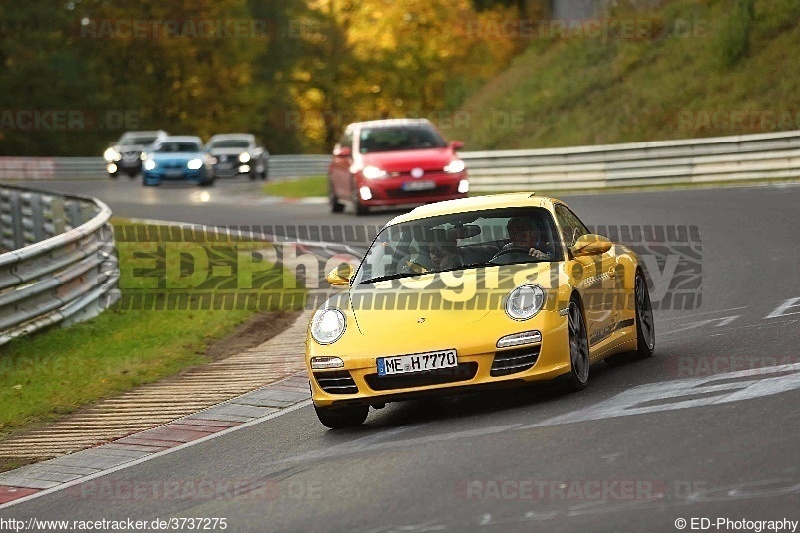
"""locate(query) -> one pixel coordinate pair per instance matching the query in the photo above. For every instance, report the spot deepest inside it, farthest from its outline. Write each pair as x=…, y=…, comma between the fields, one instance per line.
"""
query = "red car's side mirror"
x=457, y=145
x=342, y=151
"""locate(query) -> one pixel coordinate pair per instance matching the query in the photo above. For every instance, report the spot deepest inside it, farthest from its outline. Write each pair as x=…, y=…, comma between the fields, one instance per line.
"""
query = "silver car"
x=236, y=154
x=125, y=156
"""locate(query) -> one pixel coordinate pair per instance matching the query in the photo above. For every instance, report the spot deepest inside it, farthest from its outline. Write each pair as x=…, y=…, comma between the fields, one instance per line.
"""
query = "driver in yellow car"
x=525, y=234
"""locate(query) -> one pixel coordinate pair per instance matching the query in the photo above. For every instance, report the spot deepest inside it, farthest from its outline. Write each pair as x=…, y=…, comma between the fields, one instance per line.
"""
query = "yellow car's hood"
x=433, y=305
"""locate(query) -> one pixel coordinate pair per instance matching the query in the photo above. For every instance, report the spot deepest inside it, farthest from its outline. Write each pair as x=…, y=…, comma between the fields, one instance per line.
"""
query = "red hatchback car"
x=394, y=162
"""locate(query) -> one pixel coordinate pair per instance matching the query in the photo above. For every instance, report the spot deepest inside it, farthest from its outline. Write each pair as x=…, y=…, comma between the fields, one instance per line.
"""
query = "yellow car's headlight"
x=328, y=325
x=524, y=302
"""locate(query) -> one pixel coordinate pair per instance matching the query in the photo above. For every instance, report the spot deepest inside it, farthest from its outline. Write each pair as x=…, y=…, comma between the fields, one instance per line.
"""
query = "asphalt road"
x=707, y=429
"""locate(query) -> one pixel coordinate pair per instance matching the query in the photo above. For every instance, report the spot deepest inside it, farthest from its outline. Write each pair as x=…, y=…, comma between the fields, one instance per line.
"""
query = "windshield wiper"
x=395, y=276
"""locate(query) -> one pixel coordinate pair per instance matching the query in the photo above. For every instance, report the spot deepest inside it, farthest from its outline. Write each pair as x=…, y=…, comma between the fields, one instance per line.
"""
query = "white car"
x=237, y=154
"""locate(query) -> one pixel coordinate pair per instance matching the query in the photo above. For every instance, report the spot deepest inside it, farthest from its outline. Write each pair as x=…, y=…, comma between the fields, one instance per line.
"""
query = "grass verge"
x=700, y=68
x=298, y=188
x=140, y=340
x=304, y=190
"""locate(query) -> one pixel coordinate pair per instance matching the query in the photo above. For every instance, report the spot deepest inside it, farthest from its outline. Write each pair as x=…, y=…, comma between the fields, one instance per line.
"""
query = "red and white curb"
x=266, y=403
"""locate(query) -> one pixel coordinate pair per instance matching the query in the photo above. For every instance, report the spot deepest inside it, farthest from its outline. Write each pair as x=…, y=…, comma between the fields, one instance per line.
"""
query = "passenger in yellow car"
x=444, y=250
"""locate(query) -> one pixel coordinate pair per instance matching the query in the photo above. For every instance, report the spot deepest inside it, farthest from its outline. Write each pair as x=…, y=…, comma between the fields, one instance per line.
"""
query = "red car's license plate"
x=419, y=185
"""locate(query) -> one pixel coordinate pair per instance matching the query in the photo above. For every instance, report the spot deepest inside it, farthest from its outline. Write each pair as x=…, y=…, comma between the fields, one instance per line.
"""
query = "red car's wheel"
x=336, y=206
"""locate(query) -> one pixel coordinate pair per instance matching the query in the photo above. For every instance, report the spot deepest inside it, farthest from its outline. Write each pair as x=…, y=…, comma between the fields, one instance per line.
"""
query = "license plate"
x=419, y=185
x=174, y=173
x=419, y=362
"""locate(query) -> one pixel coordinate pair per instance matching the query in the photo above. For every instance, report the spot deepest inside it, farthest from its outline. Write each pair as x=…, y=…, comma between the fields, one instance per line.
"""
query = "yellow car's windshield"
x=460, y=241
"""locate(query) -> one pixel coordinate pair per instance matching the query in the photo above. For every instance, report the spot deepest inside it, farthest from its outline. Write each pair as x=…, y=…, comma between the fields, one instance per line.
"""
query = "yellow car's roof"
x=477, y=203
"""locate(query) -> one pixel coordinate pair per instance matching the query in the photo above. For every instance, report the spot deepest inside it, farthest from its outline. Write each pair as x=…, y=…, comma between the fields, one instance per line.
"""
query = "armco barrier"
x=740, y=158
x=57, y=260
x=56, y=168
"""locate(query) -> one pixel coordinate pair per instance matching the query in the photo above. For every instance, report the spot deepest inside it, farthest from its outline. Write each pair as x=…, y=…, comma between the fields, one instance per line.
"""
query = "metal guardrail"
x=55, y=168
x=57, y=260
x=746, y=157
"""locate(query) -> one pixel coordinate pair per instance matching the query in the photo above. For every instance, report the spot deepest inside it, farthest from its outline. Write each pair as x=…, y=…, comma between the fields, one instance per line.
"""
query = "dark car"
x=238, y=154
x=125, y=155
x=394, y=162
x=177, y=158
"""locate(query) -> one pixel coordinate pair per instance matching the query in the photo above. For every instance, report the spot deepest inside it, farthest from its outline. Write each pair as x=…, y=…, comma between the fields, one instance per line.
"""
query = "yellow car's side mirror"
x=590, y=244
x=341, y=275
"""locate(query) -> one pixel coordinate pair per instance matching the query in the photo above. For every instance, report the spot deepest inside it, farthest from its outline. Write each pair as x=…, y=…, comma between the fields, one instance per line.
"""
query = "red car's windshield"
x=385, y=139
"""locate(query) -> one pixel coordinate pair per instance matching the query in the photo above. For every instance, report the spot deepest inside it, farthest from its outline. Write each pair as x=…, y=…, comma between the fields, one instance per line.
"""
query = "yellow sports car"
x=475, y=293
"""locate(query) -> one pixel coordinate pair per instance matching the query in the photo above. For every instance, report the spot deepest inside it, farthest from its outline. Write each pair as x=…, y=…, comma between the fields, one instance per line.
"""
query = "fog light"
x=365, y=193
x=244, y=168
x=463, y=186
x=112, y=168
x=517, y=339
x=320, y=363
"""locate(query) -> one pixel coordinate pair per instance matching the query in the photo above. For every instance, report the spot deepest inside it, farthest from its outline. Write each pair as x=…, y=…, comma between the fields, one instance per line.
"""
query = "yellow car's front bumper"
x=480, y=363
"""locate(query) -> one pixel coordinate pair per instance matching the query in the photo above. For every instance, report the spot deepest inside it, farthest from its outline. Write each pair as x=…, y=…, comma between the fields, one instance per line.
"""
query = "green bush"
x=735, y=34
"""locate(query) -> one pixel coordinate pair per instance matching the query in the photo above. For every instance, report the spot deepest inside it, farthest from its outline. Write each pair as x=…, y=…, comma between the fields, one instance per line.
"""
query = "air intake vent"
x=338, y=382
x=512, y=361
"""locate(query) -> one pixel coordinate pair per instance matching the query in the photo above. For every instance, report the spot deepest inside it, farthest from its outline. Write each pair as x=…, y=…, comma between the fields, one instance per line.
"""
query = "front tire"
x=578, y=376
x=342, y=417
x=360, y=208
x=645, y=326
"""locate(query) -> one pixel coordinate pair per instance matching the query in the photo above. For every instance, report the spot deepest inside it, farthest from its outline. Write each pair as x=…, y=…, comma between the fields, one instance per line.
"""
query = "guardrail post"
x=17, y=235
x=73, y=214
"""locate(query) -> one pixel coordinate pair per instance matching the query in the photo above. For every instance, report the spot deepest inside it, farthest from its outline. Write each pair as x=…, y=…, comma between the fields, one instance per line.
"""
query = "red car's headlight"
x=455, y=166
x=374, y=173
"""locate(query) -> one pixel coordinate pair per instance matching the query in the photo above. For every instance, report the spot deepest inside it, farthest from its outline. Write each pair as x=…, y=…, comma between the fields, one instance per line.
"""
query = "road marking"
x=719, y=311
x=683, y=394
x=722, y=321
x=785, y=306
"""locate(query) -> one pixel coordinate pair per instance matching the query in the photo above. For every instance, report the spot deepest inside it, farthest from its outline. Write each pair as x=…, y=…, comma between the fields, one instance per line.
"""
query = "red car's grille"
x=438, y=191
